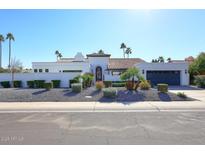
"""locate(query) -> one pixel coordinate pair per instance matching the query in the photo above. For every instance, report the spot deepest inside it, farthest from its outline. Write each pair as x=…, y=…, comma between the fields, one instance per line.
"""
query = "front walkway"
x=193, y=92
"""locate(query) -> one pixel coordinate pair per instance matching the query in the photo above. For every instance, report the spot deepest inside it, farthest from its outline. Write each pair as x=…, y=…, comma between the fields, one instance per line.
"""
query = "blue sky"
x=150, y=33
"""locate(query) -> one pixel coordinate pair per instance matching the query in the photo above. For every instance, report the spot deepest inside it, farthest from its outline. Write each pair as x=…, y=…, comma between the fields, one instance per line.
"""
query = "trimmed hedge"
x=56, y=83
x=5, y=84
x=122, y=84
x=109, y=92
x=31, y=84
x=77, y=87
x=200, y=81
x=17, y=84
x=107, y=84
x=162, y=87
x=48, y=85
x=39, y=83
x=72, y=82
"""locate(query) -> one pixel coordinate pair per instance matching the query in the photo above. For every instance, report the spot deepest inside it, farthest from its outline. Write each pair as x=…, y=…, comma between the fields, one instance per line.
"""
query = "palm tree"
x=100, y=51
x=161, y=59
x=169, y=60
x=57, y=54
x=16, y=66
x=10, y=37
x=128, y=51
x=123, y=47
x=60, y=55
x=1, y=40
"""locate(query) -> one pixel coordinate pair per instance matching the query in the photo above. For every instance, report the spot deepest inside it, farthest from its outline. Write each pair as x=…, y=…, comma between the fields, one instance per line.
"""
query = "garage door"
x=168, y=77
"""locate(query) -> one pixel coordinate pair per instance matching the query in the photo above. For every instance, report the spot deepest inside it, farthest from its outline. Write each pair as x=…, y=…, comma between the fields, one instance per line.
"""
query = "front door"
x=98, y=73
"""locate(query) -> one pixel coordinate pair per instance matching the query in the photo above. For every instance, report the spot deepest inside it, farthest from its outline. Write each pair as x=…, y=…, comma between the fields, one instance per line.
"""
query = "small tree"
x=16, y=66
x=131, y=74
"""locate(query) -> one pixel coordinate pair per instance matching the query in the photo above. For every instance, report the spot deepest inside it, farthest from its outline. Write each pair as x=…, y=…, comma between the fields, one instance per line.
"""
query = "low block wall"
x=24, y=77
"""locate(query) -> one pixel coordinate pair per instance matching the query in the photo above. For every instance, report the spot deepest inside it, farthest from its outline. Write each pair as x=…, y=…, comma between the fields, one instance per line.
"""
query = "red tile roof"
x=121, y=63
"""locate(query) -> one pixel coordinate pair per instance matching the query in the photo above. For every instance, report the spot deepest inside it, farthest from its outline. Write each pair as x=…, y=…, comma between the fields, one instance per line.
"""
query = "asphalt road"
x=103, y=128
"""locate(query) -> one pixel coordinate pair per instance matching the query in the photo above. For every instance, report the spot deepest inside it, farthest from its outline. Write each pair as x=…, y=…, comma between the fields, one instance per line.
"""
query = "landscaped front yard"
x=90, y=94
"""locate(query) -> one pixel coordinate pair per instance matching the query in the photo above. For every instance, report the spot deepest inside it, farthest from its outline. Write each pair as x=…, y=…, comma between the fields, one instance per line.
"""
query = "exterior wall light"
x=142, y=71
x=185, y=71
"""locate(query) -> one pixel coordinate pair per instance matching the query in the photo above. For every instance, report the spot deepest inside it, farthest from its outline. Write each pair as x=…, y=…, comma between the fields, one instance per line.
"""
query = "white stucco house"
x=106, y=68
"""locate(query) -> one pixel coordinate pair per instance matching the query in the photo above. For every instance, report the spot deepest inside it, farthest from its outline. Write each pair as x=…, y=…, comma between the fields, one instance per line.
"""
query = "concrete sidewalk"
x=99, y=106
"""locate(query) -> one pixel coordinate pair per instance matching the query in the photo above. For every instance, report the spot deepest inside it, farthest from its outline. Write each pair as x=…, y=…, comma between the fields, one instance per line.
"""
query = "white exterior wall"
x=110, y=77
x=24, y=77
x=99, y=61
x=182, y=67
x=60, y=66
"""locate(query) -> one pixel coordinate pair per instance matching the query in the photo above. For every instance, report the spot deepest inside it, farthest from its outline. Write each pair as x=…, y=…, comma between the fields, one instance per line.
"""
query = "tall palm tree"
x=10, y=37
x=60, y=55
x=16, y=66
x=128, y=51
x=123, y=47
x=100, y=51
x=169, y=60
x=161, y=59
x=1, y=40
x=57, y=54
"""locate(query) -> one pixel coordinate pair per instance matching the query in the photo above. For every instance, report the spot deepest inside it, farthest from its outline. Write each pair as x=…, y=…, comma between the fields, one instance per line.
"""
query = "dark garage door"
x=169, y=77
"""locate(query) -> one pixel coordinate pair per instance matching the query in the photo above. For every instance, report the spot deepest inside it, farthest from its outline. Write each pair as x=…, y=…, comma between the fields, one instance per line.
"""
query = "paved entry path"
x=192, y=92
x=103, y=128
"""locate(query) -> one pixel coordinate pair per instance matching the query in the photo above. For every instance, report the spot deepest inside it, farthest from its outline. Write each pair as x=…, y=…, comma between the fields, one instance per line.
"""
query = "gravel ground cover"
x=89, y=94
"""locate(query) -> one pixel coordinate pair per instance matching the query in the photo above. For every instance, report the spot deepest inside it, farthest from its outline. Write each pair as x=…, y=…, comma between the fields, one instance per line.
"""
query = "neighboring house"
x=105, y=68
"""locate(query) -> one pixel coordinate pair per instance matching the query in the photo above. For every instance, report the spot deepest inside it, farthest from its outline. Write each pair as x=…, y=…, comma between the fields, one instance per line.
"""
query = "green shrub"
x=200, y=81
x=56, y=83
x=182, y=95
x=162, y=87
x=122, y=84
x=87, y=79
x=110, y=92
x=77, y=87
x=144, y=85
x=31, y=84
x=99, y=85
x=39, y=83
x=48, y=85
x=5, y=84
x=73, y=81
x=107, y=84
x=17, y=84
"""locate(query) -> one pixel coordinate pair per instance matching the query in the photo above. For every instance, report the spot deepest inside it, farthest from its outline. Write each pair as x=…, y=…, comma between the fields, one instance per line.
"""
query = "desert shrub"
x=162, y=87
x=56, y=83
x=77, y=87
x=31, y=84
x=48, y=85
x=110, y=92
x=200, y=81
x=5, y=84
x=39, y=83
x=122, y=84
x=99, y=85
x=182, y=95
x=144, y=85
x=17, y=84
x=107, y=84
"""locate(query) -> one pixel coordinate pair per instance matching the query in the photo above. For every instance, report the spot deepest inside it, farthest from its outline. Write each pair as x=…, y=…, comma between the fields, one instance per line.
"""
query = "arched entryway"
x=98, y=73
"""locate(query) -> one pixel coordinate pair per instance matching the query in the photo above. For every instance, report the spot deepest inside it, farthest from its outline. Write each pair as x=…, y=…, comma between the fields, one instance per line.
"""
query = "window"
x=47, y=70
x=40, y=70
x=116, y=73
x=35, y=70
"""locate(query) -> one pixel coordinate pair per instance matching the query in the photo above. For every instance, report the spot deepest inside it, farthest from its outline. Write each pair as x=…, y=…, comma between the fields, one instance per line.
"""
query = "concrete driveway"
x=194, y=92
